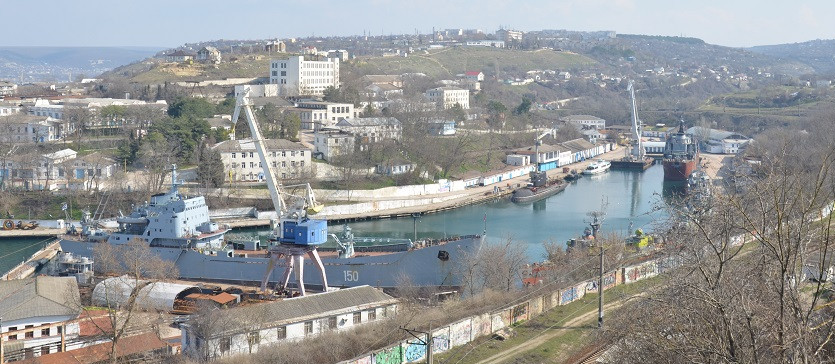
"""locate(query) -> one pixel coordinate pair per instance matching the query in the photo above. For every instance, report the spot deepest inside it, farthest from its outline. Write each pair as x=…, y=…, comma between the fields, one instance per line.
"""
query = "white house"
x=8, y=108
x=247, y=329
x=179, y=56
x=289, y=160
x=476, y=76
x=448, y=96
x=37, y=312
x=208, y=55
x=296, y=76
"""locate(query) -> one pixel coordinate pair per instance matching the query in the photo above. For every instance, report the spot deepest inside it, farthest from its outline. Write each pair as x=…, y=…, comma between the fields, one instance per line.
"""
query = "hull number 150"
x=351, y=276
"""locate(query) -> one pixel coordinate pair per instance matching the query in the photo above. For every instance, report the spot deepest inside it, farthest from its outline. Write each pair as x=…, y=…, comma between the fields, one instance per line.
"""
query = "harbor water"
x=631, y=200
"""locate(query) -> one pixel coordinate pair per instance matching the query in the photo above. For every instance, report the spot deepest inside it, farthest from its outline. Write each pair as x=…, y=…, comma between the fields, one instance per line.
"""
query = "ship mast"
x=638, y=147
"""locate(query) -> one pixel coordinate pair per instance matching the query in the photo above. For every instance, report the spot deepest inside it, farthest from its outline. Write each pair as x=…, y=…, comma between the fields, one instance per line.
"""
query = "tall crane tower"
x=293, y=234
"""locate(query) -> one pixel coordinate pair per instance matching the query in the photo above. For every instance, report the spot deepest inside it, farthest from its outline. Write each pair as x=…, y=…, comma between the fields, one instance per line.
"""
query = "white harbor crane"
x=293, y=235
x=552, y=132
x=638, y=153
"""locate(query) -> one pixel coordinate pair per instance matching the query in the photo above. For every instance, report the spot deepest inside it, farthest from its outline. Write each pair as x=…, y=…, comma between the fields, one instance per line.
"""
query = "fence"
x=466, y=330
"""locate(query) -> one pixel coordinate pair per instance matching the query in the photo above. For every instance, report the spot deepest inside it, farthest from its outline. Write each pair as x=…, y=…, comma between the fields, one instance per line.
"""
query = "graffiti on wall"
x=392, y=355
x=482, y=325
x=609, y=281
x=440, y=342
x=519, y=313
x=459, y=333
x=414, y=351
x=640, y=271
x=568, y=295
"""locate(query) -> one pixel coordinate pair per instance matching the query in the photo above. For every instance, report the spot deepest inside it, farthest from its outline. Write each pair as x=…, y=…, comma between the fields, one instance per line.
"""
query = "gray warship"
x=177, y=228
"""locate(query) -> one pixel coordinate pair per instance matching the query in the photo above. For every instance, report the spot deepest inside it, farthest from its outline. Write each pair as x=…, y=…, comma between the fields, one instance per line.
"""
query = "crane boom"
x=638, y=148
x=272, y=185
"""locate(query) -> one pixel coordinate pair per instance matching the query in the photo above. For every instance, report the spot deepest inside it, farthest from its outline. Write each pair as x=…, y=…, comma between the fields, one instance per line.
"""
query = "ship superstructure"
x=171, y=220
x=681, y=155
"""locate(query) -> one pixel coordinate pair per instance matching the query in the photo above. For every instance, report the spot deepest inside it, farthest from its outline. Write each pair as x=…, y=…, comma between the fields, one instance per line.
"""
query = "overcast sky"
x=169, y=23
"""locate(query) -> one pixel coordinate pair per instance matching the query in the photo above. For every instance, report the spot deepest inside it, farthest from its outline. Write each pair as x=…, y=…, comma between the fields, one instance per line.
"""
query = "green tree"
x=192, y=106
x=113, y=112
x=457, y=113
x=127, y=152
x=523, y=108
x=496, y=113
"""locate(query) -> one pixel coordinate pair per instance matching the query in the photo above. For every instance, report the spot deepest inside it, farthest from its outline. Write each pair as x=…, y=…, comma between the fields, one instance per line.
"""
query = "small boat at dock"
x=597, y=167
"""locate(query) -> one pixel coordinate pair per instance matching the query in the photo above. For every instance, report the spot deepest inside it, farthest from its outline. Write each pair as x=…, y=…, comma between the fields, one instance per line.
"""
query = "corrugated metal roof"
x=265, y=315
x=160, y=296
x=39, y=296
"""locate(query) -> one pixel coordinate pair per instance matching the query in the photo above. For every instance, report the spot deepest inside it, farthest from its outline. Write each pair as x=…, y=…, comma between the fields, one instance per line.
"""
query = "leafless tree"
x=494, y=266
x=136, y=264
x=729, y=303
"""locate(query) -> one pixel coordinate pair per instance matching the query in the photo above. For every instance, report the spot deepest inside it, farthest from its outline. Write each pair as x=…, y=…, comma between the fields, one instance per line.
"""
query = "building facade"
x=372, y=130
x=37, y=314
x=288, y=160
x=26, y=129
x=330, y=143
x=315, y=115
x=585, y=121
x=7, y=88
x=448, y=96
x=246, y=329
x=297, y=76
x=209, y=55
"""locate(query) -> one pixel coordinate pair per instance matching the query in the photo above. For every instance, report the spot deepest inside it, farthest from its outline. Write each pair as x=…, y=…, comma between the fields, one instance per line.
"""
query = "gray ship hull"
x=429, y=266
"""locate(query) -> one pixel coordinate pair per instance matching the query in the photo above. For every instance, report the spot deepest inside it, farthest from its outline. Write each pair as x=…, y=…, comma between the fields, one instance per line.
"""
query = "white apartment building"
x=289, y=160
x=61, y=170
x=448, y=96
x=585, y=121
x=315, y=115
x=7, y=108
x=55, y=109
x=7, y=88
x=372, y=130
x=330, y=143
x=24, y=129
x=296, y=76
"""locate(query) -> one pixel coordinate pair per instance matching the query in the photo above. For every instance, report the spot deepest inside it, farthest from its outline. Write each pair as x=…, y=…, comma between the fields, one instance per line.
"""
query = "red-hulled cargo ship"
x=681, y=156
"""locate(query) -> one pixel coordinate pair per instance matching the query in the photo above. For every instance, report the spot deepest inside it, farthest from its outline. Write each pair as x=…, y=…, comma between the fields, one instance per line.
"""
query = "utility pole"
x=597, y=221
x=425, y=341
x=415, y=216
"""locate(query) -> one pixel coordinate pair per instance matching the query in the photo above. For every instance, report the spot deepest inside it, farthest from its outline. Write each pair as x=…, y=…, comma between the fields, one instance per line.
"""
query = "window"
x=301, y=163
x=308, y=327
x=44, y=350
x=250, y=154
x=29, y=335
x=372, y=315
x=283, y=73
x=282, y=332
x=385, y=311
x=45, y=332
x=357, y=317
x=225, y=344
x=233, y=155
x=332, y=322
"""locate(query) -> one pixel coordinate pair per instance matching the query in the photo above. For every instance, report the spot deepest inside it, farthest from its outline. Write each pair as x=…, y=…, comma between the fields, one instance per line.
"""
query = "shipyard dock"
x=29, y=266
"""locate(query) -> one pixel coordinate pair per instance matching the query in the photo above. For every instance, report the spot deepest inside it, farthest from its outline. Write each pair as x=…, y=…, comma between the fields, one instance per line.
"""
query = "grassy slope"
x=451, y=61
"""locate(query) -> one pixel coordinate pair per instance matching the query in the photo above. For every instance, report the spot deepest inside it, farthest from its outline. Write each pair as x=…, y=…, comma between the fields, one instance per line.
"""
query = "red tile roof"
x=95, y=353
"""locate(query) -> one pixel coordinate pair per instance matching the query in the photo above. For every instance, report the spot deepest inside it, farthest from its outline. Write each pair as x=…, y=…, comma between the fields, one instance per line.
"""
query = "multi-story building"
x=56, y=110
x=330, y=143
x=7, y=88
x=24, y=129
x=208, y=55
x=372, y=130
x=509, y=35
x=289, y=160
x=9, y=108
x=297, y=76
x=60, y=170
x=585, y=121
x=315, y=115
x=448, y=96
